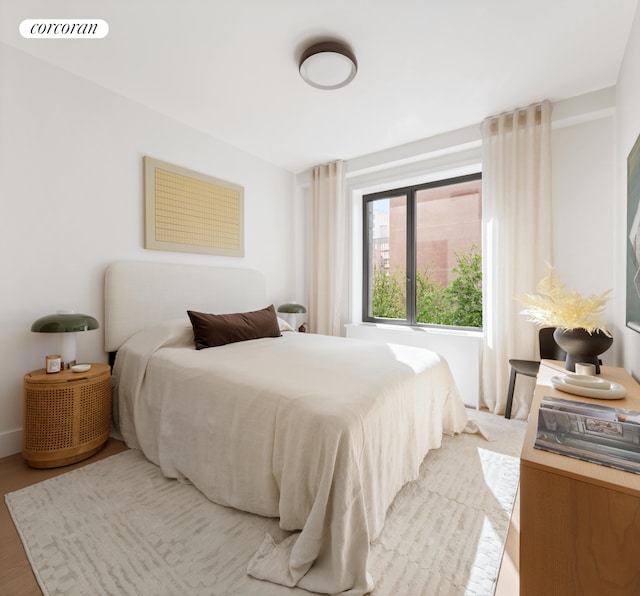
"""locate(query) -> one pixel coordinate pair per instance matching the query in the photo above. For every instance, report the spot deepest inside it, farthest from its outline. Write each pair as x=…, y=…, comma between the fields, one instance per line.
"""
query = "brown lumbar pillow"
x=211, y=330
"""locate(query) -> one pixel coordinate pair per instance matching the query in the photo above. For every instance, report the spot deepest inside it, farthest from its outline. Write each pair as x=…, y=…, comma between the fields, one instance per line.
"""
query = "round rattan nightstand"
x=66, y=415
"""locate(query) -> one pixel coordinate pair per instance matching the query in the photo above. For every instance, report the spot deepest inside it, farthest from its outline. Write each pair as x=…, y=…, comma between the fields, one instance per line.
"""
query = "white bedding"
x=319, y=431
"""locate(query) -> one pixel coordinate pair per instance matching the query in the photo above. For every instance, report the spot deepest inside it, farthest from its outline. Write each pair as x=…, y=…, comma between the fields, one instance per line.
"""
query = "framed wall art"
x=188, y=211
x=633, y=237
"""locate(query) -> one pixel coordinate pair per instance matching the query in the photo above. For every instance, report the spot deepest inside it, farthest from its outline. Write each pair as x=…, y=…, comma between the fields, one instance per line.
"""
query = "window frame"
x=411, y=256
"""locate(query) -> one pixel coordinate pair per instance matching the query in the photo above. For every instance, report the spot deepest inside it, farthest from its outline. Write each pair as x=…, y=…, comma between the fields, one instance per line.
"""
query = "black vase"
x=582, y=346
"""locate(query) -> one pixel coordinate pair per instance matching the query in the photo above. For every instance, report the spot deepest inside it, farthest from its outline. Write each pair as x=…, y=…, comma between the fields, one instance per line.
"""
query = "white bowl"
x=614, y=391
x=587, y=381
x=80, y=367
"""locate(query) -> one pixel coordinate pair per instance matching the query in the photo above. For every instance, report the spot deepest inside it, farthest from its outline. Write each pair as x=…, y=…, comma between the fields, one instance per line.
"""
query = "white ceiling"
x=229, y=67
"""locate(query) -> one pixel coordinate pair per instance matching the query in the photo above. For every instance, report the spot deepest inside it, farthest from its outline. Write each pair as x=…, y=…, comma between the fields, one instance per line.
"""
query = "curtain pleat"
x=328, y=249
x=517, y=243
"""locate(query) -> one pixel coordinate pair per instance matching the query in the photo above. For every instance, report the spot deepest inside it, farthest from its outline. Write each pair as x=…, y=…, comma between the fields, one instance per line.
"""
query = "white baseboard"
x=10, y=442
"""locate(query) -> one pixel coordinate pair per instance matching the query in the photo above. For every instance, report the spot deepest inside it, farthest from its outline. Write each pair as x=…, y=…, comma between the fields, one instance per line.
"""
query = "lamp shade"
x=292, y=308
x=64, y=323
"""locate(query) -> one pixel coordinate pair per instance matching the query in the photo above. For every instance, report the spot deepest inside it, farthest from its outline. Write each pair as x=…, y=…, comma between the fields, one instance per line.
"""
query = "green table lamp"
x=293, y=313
x=67, y=324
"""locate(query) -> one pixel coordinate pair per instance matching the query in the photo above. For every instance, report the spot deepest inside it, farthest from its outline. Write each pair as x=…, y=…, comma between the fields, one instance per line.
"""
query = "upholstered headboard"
x=140, y=294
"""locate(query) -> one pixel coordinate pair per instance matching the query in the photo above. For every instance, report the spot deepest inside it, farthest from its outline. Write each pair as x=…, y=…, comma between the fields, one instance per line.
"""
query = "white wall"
x=628, y=129
x=583, y=187
x=71, y=191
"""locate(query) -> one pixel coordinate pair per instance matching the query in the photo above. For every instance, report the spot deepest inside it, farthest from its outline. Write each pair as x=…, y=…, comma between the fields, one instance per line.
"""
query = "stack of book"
x=591, y=432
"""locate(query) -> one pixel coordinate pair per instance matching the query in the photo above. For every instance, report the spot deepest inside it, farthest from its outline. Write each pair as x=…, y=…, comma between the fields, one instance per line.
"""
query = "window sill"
x=412, y=329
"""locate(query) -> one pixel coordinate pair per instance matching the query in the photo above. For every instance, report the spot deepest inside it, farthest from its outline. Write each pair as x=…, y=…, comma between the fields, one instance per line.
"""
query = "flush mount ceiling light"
x=328, y=65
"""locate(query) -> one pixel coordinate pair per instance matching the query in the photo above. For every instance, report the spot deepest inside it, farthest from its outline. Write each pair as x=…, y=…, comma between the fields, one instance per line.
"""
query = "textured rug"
x=119, y=527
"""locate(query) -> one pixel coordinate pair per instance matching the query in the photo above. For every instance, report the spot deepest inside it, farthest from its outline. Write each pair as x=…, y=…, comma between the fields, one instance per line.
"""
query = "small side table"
x=66, y=415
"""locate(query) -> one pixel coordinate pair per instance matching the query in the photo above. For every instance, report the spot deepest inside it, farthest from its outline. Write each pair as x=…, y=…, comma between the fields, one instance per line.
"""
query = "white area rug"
x=119, y=527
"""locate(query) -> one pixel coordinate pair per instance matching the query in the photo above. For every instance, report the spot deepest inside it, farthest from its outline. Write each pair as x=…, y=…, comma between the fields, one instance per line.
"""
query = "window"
x=422, y=254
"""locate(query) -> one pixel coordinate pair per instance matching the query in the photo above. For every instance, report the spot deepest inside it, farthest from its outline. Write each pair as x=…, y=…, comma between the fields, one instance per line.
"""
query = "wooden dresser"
x=579, y=521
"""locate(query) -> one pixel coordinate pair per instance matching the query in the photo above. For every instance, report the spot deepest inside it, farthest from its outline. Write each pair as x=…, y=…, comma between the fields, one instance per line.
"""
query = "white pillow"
x=284, y=326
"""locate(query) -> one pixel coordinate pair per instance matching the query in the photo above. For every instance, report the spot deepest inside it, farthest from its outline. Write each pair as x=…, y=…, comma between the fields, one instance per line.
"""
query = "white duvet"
x=319, y=431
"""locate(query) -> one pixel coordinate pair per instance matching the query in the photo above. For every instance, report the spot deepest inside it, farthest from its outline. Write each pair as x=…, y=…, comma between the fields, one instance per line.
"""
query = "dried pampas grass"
x=554, y=306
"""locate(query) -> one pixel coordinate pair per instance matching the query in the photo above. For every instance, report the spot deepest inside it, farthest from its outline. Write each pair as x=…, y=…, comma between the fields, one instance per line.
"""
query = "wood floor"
x=17, y=579
x=509, y=578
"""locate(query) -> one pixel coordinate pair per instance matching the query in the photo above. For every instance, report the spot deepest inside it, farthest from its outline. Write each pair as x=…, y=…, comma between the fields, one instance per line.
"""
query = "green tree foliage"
x=465, y=291
x=431, y=299
x=388, y=297
x=459, y=304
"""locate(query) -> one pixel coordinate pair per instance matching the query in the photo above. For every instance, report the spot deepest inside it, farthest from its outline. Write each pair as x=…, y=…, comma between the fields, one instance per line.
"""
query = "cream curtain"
x=517, y=243
x=328, y=249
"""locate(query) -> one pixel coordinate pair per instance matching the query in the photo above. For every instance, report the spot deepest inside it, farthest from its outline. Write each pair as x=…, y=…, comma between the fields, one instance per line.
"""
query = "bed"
x=320, y=432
